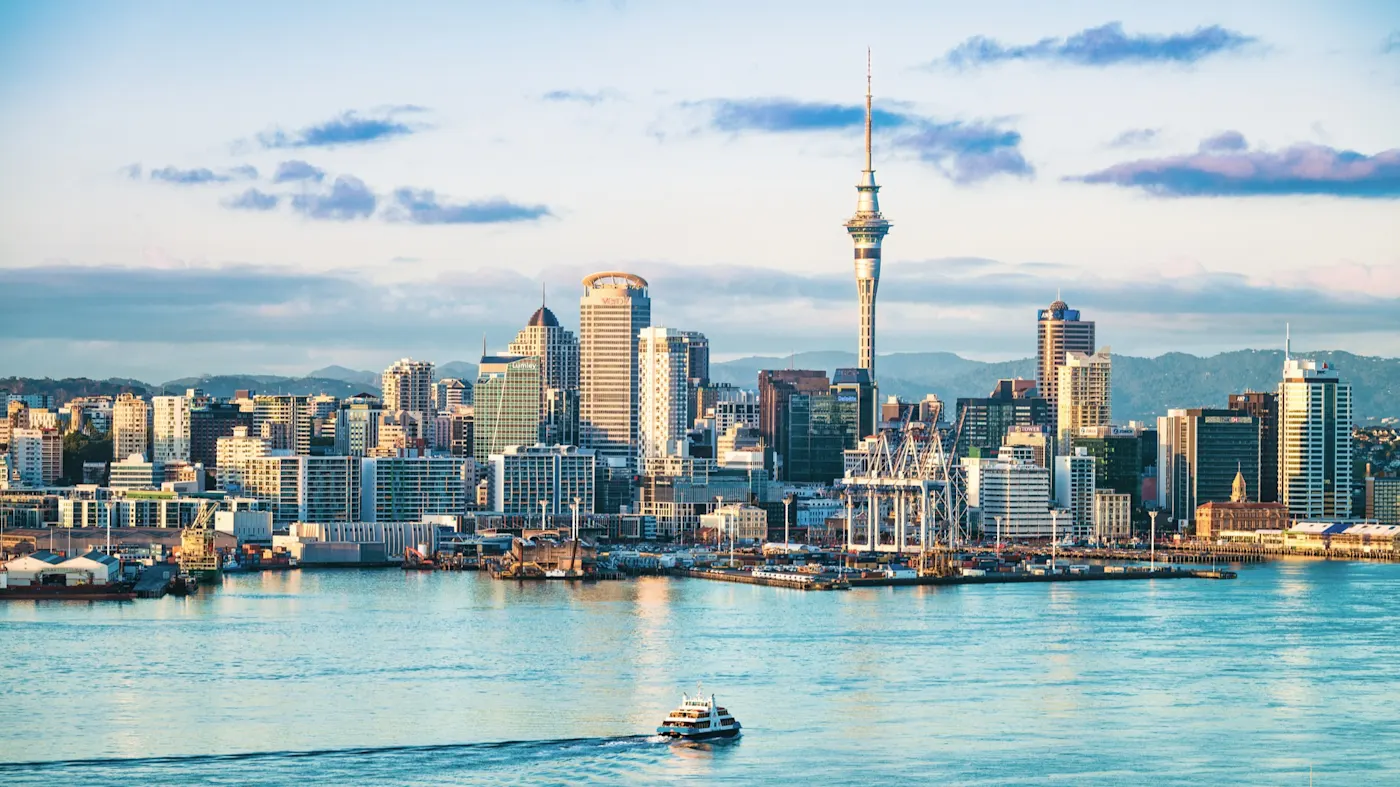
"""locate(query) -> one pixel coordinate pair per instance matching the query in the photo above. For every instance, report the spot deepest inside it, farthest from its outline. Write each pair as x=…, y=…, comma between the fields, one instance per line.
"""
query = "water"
x=389, y=677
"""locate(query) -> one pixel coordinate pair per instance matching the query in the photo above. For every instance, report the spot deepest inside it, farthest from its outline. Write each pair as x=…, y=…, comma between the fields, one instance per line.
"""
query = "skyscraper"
x=867, y=229
x=557, y=350
x=1200, y=451
x=1083, y=394
x=614, y=308
x=1263, y=406
x=170, y=429
x=985, y=421
x=1314, y=441
x=131, y=427
x=663, y=390
x=1058, y=331
x=775, y=388
x=509, y=406
x=408, y=386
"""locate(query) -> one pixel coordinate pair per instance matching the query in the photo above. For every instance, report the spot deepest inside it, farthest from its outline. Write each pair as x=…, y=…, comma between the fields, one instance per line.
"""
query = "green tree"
x=86, y=446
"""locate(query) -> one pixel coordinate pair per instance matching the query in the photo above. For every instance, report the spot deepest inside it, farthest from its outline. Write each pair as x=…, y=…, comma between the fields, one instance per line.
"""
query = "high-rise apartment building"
x=867, y=229
x=1083, y=394
x=509, y=408
x=231, y=455
x=449, y=392
x=284, y=422
x=1058, y=331
x=1264, y=407
x=407, y=385
x=614, y=308
x=170, y=429
x=1314, y=441
x=1199, y=453
x=1074, y=492
x=305, y=488
x=523, y=476
x=663, y=390
x=131, y=427
x=406, y=489
x=357, y=426
x=37, y=455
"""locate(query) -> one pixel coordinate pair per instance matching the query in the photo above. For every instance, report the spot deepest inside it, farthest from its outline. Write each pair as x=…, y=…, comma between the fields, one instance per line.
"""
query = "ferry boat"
x=699, y=718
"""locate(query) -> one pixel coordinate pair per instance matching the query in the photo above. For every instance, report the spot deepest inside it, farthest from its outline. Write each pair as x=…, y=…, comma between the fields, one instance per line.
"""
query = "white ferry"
x=699, y=718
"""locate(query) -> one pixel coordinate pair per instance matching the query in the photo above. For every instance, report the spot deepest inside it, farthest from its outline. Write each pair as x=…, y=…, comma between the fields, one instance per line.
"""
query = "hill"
x=225, y=385
x=1143, y=388
x=72, y=387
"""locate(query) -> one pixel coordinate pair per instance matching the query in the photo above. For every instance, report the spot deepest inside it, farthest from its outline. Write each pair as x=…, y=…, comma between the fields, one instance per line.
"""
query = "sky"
x=270, y=188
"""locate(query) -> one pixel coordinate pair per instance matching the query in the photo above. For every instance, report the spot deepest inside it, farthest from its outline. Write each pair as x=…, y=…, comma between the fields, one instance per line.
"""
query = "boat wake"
x=444, y=763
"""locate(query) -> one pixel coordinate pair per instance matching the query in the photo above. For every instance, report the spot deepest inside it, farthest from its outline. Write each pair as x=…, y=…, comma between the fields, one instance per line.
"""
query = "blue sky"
x=272, y=188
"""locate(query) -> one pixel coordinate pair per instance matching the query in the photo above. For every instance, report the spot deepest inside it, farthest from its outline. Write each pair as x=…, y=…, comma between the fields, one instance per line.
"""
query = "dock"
x=155, y=580
x=801, y=581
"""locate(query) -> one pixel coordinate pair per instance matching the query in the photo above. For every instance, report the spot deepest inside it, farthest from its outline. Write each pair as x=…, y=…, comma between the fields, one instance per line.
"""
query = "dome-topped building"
x=543, y=318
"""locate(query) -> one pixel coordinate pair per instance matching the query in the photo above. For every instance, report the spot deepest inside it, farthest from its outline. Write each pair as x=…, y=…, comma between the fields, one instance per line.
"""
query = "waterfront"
x=418, y=678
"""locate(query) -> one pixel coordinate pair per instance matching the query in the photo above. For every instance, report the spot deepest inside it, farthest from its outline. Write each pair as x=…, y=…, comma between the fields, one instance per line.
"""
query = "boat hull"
x=68, y=593
x=729, y=732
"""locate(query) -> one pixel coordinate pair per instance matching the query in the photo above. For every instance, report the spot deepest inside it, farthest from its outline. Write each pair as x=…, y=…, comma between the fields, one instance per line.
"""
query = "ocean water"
x=370, y=677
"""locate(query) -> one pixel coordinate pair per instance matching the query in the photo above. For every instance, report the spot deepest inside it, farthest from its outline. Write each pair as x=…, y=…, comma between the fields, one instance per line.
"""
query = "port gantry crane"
x=908, y=482
x=198, y=557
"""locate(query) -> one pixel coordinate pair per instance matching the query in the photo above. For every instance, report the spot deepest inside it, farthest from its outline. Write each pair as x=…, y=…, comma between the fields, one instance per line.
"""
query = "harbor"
x=844, y=580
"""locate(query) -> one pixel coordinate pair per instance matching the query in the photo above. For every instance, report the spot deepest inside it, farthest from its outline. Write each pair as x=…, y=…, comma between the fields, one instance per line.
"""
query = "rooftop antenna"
x=868, y=168
x=483, y=344
x=542, y=301
x=1287, y=342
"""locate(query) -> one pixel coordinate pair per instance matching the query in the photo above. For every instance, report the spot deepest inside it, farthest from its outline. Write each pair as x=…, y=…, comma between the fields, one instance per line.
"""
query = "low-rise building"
x=743, y=522
x=1113, y=517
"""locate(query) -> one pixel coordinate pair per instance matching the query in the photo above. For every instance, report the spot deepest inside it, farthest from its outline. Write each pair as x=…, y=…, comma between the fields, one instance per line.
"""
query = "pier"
x=155, y=580
x=829, y=581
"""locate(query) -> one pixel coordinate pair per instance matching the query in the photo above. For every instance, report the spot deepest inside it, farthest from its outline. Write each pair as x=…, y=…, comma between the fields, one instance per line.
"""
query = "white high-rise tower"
x=867, y=229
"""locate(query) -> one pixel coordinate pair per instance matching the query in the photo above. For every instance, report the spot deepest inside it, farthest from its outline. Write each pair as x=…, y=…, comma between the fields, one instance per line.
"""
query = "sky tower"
x=867, y=229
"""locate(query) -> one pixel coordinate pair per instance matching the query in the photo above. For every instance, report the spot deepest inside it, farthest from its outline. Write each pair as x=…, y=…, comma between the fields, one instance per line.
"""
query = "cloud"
x=1106, y=45
x=347, y=128
x=1224, y=142
x=965, y=151
x=590, y=98
x=348, y=199
x=252, y=199
x=345, y=314
x=1391, y=43
x=1225, y=167
x=292, y=171
x=131, y=171
x=421, y=206
x=1134, y=137
x=200, y=175
x=778, y=115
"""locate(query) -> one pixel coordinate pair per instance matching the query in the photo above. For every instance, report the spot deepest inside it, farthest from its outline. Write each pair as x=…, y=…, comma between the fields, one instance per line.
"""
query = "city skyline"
x=406, y=208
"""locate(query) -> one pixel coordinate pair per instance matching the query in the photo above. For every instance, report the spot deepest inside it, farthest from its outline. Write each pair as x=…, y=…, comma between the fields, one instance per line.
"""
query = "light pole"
x=1054, y=536
x=787, y=504
x=573, y=507
x=1152, y=541
x=719, y=504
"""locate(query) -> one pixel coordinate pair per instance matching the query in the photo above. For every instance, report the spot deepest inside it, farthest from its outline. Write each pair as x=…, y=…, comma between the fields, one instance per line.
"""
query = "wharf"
x=155, y=580
x=1165, y=554
x=771, y=579
x=830, y=582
